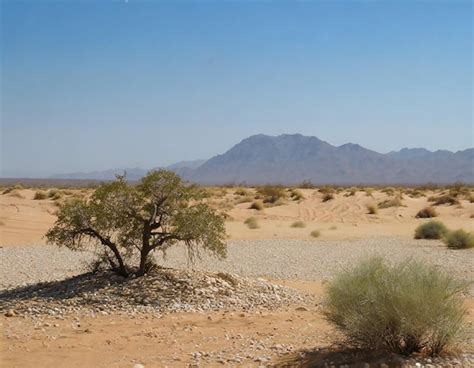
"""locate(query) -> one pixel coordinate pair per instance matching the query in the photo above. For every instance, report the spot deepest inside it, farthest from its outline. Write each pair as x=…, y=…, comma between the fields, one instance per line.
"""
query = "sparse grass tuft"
x=431, y=230
x=299, y=224
x=459, y=239
x=315, y=233
x=245, y=199
x=380, y=306
x=252, y=223
x=257, y=205
x=427, y=212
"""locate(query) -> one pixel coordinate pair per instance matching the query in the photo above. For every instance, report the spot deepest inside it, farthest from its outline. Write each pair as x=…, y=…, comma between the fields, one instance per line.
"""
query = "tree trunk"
x=145, y=249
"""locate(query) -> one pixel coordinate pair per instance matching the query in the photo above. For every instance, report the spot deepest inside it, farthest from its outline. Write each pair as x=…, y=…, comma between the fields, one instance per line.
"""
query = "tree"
x=128, y=223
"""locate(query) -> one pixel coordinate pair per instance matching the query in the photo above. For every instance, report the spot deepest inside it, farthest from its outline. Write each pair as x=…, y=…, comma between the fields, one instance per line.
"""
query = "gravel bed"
x=275, y=259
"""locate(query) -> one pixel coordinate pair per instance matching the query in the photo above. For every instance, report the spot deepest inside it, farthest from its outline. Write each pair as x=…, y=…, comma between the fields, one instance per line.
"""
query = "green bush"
x=431, y=230
x=257, y=205
x=459, y=239
x=299, y=224
x=252, y=223
x=315, y=233
x=40, y=195
x=405, y=308
x=427, y=212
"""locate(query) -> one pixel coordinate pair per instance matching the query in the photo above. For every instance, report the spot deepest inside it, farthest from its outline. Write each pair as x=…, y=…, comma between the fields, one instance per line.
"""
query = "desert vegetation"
x=459, y=239
x=127, y=222
x=427, y=212
x=431, y=230
x=382, y=306
x=252, y=223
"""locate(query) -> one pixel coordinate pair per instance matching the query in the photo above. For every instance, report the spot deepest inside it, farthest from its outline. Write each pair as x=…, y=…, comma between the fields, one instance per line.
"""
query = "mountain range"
x=293, y=158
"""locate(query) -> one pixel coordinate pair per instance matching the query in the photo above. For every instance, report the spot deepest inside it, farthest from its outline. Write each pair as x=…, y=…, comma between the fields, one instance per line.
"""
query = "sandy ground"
x=24, y=220
x=238, y=339
x=173, y=340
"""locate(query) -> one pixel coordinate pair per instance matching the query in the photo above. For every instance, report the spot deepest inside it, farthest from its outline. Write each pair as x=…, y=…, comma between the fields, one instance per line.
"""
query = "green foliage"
x=40, y=195
x=271, y=193
x=252, y=223
x=405, y=308
x=128, y=222
x=315, y=233
x=459, y=239
x=426, y=212
x=257, y=205
x=431, y=230
x=298, y=224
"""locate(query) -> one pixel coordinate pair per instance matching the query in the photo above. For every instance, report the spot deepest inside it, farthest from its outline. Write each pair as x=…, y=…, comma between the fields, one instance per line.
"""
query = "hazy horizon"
x=89, y=86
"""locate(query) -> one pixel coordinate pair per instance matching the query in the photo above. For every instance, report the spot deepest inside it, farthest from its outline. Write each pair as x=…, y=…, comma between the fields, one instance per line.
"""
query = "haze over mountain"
x=292, y=158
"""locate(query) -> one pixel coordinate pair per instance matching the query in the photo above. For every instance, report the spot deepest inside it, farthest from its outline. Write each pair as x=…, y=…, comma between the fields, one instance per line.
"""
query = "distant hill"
x=290, y=159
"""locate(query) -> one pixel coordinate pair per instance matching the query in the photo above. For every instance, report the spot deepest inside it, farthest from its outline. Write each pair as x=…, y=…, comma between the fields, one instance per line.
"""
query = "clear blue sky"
x=96, y=85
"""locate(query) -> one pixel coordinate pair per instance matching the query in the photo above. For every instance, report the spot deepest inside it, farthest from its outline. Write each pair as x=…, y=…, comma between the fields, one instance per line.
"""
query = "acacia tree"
x=127, y=223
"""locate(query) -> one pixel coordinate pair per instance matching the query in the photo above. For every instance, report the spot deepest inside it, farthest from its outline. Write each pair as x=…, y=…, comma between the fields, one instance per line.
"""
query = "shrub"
x=372, y=209
x=426, y=212
x=299, y=224
x=328, y=197
x=459, y=239
x=129, y=222
x=351, y=192
x=296, y=194
x=393, y=202
x=242, y=192
x=40, y=195
x=368, y=192
x=257, y=205
x=8, y=190
x=445, y=199
x=315, y=233
x=431, y=230
x=405, y=308
x=471, y=198
x=326, y=189
x=252, y=223
x=271, y=193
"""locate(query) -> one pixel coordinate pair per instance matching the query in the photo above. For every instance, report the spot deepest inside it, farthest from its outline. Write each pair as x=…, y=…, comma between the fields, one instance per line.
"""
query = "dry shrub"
x=372, y=209
x=444, y=199
x=431, y=230
x=15, y=193
x=299, y=224
x=306, y=184
x=405, y=308
x=296, y=194
x=426, y=212
x=393, y=202
x=257, y=205
x=328, y=197
x=40, y=195
x=459, y=239
x=271, y=193
x=252, y=223
x=245, y=199
x=315, y=233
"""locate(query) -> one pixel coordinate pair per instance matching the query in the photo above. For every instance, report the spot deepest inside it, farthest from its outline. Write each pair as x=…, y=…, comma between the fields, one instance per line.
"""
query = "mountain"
x=292, y=158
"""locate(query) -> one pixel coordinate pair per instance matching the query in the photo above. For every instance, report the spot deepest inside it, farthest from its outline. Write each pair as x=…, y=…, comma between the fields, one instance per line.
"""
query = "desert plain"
x=270, y=289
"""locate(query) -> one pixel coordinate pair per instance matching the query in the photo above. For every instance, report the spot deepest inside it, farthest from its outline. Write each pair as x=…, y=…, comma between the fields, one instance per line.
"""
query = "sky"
x=94, y=85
